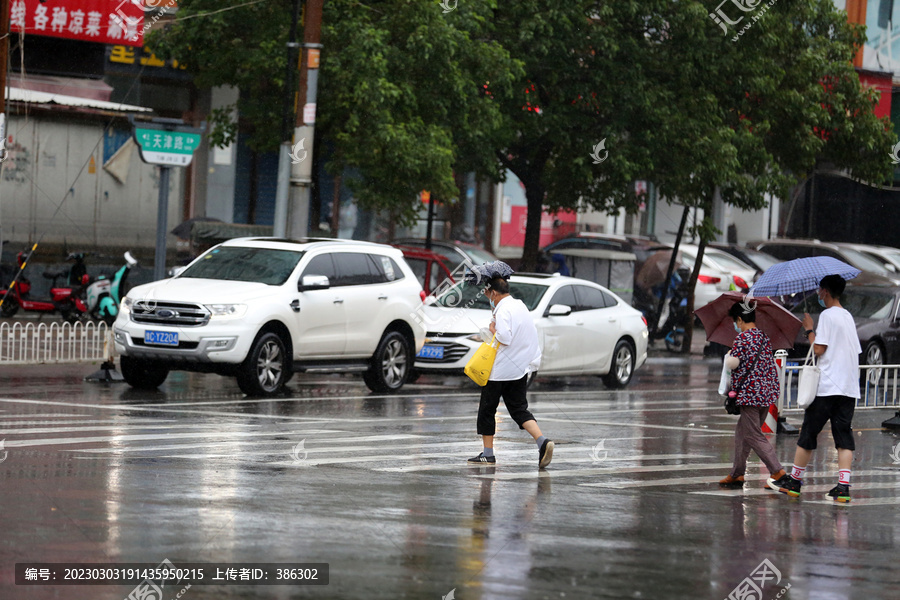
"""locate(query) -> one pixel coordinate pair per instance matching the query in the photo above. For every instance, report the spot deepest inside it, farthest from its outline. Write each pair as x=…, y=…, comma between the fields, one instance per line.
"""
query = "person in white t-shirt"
x=836, y=344
x=518, y=355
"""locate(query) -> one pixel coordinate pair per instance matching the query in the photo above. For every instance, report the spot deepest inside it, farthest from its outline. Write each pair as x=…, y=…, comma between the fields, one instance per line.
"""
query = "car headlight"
x=125, y=305
x=231, y=311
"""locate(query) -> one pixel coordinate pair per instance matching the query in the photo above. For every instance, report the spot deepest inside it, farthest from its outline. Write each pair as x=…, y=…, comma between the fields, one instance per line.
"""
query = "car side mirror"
x=313, y=282
x=890, y=267
x=559, y=310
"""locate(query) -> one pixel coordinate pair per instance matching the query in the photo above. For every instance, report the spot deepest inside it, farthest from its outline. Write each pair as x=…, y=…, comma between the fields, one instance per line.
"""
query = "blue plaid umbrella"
x=800, y=275
x=479, y=274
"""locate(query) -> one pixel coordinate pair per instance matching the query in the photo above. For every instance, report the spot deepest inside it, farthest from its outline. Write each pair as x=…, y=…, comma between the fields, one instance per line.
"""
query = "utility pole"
x=287, y=131
x=301, y=171
x=4, y=59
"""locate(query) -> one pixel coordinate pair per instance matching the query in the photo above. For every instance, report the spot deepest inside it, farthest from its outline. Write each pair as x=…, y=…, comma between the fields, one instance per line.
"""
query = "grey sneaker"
x=546, y=454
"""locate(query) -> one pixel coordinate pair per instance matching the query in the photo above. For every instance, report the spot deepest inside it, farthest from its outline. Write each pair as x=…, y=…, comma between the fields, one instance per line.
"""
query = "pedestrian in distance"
x=836, y=345
x=518, y=355
x=755, y=380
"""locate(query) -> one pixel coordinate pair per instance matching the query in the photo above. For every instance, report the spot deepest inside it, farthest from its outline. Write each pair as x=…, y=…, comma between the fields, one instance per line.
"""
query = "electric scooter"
x=63, y=300
x=103, y=295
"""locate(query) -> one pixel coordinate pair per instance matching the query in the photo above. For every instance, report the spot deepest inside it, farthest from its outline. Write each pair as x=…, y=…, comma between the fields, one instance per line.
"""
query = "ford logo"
x=165, y=313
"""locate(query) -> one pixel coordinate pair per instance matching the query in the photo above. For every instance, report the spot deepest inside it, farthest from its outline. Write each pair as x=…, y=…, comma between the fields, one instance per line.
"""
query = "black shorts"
x=839, y=409
x=513, y=394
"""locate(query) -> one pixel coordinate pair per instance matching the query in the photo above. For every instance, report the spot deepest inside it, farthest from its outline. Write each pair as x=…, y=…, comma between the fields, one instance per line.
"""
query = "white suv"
x=262, y=308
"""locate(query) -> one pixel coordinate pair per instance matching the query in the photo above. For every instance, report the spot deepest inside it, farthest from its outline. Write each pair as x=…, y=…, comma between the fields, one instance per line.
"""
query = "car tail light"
x=739, y=281
x=422, y=295
x=708, y=279
x=644, y=319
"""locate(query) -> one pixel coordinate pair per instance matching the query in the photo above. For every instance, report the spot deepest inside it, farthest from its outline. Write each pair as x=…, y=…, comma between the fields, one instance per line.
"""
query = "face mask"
x=822, y=303
x=492, y=303
x=736, y=328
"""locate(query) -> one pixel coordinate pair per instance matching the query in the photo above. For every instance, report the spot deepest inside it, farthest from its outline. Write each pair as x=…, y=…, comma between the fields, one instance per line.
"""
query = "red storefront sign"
x=101, y=21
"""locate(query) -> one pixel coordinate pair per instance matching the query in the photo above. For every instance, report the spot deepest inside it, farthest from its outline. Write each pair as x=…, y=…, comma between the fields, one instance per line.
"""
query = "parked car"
x=455, y=253
x=429, y=267
x=754, y=258
x=640, y=246
x=583, y=328
x=790, y=249
x=719, y=272
x=887, y=256
x=876, y=312
x=261, y=308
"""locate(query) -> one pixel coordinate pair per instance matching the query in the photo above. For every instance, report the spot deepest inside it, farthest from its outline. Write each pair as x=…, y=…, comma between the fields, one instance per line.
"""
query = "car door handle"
x=382, y=297
x=338, y=300
x=579, y=322
x=295, y=306
x=612, y=319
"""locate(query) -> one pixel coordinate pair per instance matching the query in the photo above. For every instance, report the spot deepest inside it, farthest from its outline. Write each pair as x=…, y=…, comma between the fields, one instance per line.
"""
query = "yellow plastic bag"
x=479, y=366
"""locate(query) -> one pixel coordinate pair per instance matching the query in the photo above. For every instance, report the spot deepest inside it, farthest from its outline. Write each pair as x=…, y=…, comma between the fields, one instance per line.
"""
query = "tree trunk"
x=534, y=193
x=695, y=273
x=669, y=270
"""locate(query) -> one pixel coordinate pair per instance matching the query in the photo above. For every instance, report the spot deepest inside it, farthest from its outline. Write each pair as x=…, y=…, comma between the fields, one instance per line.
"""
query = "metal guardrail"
x=59, y=342
x=879, y=386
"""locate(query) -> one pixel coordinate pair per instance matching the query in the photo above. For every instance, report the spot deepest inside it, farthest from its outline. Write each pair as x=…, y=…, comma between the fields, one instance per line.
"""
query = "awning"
x=35, y=97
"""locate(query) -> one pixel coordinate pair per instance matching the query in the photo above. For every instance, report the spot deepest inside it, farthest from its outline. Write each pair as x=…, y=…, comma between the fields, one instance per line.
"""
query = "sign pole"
x=159, y=262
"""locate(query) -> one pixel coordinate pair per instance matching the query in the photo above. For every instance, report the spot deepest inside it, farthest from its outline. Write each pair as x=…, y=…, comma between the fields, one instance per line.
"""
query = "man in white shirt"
x=518, y=355
x=836, y=344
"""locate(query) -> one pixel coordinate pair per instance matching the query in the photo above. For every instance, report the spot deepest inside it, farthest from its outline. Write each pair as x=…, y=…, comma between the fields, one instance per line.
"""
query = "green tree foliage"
x=409, y=93
x=401, y=87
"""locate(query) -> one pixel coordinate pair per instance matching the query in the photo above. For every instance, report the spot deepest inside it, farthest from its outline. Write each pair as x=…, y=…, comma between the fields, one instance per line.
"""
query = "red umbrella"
x=772, y=319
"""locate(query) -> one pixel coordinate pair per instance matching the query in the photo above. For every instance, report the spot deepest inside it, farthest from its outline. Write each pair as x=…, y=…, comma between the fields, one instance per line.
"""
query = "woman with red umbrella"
x=755, y=380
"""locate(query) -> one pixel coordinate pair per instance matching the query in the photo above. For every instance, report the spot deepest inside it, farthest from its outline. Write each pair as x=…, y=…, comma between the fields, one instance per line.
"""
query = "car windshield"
x=463, y=295
x=237, y=263
x=861, y=261
x=861, y=303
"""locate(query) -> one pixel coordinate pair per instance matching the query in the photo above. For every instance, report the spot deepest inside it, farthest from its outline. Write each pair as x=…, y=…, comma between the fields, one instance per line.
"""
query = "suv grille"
x=169, y=313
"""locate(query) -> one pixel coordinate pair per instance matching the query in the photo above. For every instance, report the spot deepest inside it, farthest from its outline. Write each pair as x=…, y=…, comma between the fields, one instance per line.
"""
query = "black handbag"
x=731, y=405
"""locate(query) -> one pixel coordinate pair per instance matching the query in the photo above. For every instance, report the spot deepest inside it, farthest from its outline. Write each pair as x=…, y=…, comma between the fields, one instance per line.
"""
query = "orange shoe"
x=732, y=483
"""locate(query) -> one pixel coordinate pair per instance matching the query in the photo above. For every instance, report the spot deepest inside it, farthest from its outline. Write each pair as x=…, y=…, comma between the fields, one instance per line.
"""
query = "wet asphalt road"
x=378, y=488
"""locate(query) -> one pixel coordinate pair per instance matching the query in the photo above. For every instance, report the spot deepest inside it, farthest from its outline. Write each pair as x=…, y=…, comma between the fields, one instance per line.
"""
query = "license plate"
x=161, y=338
x=431, y=352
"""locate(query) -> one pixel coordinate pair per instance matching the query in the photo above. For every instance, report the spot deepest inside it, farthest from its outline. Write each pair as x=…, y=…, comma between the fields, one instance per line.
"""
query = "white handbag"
x=725, y=380
x=809, y=380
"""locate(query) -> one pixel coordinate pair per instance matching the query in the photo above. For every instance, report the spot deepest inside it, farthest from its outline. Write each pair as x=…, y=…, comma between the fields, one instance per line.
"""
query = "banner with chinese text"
x=101, y=21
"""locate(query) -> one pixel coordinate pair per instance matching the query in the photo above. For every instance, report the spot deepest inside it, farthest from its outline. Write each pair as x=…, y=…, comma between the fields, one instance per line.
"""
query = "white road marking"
x=805, y=491
x=554, y=474
x=154, y=436
x=642, y=425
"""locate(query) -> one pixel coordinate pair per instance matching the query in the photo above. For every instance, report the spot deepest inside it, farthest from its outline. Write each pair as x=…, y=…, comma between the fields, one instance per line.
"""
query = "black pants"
x=513, y=394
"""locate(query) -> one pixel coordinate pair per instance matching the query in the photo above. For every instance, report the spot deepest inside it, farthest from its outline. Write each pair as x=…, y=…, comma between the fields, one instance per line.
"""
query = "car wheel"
x=390, y=364
x=142, y=374
x=9, y=308
x=264, y=371
x=622, y=367
x=873, y=355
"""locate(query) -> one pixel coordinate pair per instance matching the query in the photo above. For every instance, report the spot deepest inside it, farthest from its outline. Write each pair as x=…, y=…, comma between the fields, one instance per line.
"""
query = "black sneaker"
x=777, y=484
x=546, y=454
x=481, y=458
x=840, y=493
x=787, y=485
